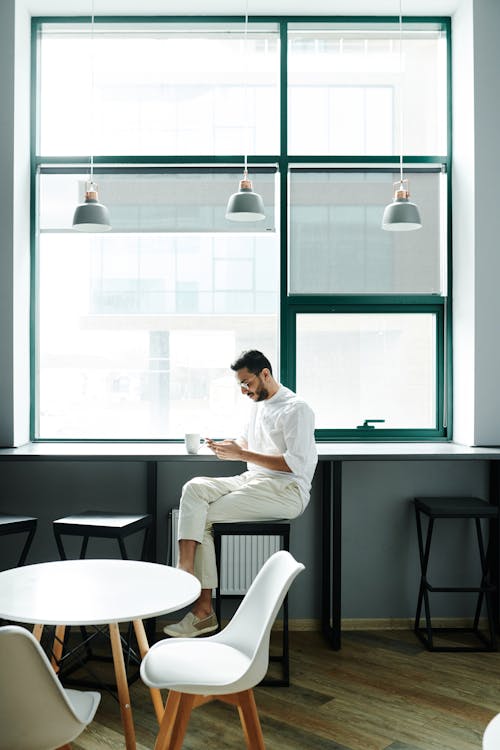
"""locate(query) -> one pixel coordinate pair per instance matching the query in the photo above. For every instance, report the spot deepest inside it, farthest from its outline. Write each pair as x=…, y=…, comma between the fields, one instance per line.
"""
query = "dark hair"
x=253, y=360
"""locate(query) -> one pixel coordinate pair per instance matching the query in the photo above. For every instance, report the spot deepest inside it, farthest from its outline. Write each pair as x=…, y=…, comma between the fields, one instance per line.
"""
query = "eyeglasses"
x=245, y=386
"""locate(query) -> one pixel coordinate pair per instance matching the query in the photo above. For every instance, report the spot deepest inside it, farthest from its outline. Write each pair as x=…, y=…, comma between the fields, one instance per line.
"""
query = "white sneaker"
x=191, y=626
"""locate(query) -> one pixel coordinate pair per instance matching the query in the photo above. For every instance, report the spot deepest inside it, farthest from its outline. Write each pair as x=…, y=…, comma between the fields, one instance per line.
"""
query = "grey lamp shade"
x=401, y=216
x=245, y=205
x=91, y=216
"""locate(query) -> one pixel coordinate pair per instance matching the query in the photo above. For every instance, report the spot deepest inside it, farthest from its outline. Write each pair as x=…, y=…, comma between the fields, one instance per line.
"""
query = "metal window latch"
x=366, y=424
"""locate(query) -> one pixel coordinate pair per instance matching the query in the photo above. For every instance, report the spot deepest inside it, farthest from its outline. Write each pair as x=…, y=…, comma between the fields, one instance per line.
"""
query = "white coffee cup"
x=192, y=442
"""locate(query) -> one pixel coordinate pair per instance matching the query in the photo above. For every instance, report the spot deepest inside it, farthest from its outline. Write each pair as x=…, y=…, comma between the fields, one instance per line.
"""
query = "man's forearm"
x=232, y=450
x=277, y=463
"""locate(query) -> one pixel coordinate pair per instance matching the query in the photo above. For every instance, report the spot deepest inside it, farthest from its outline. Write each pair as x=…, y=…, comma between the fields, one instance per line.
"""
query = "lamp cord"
x=245, y=56
x=92, y=114
x=401, y=91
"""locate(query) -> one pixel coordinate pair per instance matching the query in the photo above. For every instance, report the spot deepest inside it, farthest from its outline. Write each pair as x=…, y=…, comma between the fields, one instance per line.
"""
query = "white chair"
x=225, y=666
x=491, y=737
x=36, y=712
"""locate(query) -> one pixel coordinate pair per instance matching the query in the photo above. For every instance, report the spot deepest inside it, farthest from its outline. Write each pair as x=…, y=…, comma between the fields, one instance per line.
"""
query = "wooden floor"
x=381, y=691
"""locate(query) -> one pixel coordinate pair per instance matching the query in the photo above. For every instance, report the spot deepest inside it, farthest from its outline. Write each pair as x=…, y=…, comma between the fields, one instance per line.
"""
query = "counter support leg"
x=152, y=507
x=332, y=552
x=494, y=544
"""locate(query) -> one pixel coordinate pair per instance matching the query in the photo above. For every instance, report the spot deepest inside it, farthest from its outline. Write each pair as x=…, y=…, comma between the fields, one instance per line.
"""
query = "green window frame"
x=291, y=304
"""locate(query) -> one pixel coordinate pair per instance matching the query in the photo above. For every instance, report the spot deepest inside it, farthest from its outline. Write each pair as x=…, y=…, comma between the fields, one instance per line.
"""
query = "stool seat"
x=445, y=508
x=278, y=528
x=102, y=524
x=456, y=507
x=15, y=524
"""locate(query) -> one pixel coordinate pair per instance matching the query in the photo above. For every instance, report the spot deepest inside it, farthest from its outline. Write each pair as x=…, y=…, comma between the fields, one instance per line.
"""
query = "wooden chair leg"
x=249, y=718
x=175, y=720
x=57, y=648
x=37, y=631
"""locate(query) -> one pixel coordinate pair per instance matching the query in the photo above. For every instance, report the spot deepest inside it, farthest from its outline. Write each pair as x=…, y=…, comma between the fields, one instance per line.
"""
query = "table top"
x=106, y=451
x=93, y=592
x=151, y=451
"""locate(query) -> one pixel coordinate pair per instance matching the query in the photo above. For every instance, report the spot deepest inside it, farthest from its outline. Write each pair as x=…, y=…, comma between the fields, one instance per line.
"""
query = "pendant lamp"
x=401, y=215
x=91, y=215
x=245, y=205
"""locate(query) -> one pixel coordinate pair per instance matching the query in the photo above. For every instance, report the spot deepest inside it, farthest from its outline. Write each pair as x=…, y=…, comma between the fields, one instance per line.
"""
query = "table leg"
x=122, y=686
x=142, y=641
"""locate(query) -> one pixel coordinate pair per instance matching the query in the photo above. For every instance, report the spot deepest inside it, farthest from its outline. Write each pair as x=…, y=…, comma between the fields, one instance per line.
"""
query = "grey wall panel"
x=379, y=554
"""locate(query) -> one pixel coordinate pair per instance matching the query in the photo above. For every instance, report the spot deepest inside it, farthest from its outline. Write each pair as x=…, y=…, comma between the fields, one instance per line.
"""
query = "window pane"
x=350, y=79
x=137, y=332
x=159, y=201
x=357, y=366
x=337, y=245
x=158, y=89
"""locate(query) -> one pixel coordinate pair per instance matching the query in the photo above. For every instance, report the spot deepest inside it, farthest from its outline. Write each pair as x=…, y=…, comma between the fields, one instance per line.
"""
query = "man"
x=278, y=446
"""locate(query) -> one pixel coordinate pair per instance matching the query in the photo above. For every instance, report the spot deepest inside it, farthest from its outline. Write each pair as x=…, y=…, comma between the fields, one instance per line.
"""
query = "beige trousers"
x=246, y=497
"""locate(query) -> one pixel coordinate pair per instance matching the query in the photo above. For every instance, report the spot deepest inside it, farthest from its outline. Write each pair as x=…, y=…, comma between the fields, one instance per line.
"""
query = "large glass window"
x=153, y=88
x=355, y=80
x=370, y=370
x=134, y=329
x=138, y=326
x=336, y=243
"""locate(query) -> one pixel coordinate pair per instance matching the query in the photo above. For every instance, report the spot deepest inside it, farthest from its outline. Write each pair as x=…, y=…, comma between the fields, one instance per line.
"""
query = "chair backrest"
x=250, y=628
x=35, y=713
x=491, y=736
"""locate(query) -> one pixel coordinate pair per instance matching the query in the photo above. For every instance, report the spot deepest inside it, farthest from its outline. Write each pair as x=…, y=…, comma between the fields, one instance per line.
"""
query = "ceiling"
x=237, y=7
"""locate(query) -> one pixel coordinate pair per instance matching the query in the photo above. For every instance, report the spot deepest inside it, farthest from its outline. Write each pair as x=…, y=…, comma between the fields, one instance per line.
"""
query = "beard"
x=262, y=394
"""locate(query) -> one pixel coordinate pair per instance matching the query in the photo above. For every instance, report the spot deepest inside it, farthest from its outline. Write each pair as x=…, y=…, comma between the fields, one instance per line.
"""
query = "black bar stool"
x=102, y=524
x=280, y=529
x=475, y=509
x=12, y=524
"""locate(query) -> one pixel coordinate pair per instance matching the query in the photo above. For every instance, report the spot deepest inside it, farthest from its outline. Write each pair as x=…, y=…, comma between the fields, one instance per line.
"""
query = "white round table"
x=97, y=592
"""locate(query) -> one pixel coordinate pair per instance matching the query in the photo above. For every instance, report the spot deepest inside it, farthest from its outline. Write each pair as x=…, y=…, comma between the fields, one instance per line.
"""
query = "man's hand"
x=226, y=450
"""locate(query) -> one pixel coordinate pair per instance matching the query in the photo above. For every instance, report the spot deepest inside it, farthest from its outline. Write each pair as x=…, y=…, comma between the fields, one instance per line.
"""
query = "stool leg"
x=483, y=583
x=83, y=549
x=26, y=547
x=427, y=605
x=60, y=548
x=423, y=594
x=485, y=590
x=217, y=546
x=421, y=557
x=144, y=551
x=286, y=645
x=123, y=551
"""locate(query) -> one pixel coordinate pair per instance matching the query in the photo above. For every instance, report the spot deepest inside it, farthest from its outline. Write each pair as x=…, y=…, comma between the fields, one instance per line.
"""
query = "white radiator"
x=242, y=557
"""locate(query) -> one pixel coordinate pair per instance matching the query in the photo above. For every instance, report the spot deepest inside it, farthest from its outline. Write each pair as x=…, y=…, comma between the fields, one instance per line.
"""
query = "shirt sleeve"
x=298, y=435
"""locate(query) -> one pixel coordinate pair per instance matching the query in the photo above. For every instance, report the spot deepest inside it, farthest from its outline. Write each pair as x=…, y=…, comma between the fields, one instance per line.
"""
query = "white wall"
x=14, y=223
x=476, y=255
x=486, y=231
x=463, y=194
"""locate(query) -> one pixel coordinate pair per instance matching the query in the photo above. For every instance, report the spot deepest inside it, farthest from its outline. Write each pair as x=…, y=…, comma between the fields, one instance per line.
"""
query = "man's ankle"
x=201, y=612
